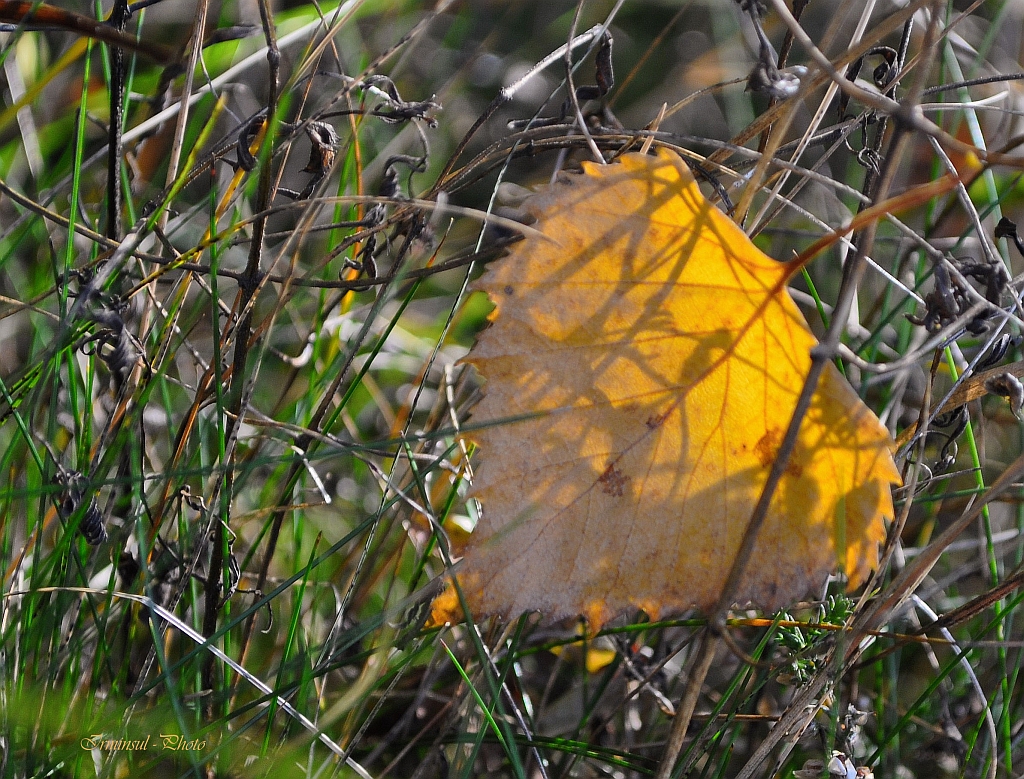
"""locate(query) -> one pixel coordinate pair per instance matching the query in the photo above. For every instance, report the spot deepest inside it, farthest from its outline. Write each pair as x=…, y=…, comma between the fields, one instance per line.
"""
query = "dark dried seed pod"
x=323, y=139
x=956, y=418
x=91, y=527
x=995, y=354
x=1008, y=386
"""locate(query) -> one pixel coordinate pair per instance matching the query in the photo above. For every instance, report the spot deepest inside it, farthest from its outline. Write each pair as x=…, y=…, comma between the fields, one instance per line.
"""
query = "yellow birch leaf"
x=657, y=357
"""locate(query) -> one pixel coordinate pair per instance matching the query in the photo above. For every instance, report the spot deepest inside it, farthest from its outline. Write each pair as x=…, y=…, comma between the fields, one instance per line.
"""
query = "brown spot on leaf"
x=767, y=449
x=656, y=420
x=613, y=481
x=509, y=290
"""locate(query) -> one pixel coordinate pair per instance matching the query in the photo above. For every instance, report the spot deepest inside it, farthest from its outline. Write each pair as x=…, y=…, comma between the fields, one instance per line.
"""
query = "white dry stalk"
x=975, y=683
